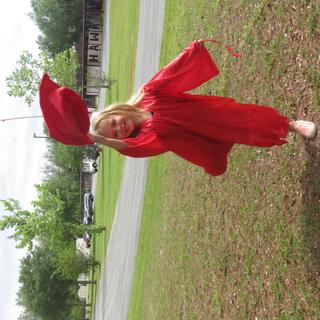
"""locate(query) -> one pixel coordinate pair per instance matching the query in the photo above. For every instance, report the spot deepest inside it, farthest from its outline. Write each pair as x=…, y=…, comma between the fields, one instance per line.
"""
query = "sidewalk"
x=113, y=297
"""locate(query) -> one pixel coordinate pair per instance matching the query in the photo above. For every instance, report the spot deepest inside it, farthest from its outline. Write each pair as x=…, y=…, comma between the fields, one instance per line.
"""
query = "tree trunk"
x=85, y=282
x=80, y=304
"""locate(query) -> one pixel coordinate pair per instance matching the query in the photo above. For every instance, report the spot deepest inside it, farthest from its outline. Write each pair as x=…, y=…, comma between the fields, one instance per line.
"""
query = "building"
x=89, y=50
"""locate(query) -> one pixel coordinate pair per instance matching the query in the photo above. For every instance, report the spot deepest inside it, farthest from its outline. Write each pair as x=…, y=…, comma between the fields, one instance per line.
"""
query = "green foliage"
x=44, y=223
x=63, y=158
x=67, y=190
x=28, y=225
x=42, y=293
x=78, y=313
x=49, y=281
x=62, y=174
x=59, y=21
x=52, y=265
x=70, y=263
x=24, y=80
x=63, y=67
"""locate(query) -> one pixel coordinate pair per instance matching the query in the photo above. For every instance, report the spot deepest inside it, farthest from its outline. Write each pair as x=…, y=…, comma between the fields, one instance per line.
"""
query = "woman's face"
x=116, y=127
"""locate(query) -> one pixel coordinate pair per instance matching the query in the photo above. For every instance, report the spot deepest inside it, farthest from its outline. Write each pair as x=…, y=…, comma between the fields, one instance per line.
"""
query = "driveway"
x=113, y=297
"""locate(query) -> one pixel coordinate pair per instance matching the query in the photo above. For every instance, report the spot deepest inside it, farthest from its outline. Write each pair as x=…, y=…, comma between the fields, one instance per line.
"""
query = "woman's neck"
x=143, y=116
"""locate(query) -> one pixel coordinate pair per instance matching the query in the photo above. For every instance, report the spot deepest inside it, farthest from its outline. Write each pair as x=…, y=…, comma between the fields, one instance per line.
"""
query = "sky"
x=21, y=160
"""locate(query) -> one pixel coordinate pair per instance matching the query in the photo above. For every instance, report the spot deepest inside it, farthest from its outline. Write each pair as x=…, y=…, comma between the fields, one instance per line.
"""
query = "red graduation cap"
x=65, y=113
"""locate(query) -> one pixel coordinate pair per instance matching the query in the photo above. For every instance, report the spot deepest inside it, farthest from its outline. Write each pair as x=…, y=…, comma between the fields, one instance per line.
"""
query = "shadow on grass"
x=311, y=210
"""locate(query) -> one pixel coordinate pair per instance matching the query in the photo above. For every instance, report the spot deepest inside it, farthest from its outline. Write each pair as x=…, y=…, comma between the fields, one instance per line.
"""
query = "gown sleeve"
x=212, y=157
x=189, y=70
x=210, y=154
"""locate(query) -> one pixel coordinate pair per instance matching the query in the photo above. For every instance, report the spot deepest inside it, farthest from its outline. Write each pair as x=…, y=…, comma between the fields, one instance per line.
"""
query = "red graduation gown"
x=200, y=129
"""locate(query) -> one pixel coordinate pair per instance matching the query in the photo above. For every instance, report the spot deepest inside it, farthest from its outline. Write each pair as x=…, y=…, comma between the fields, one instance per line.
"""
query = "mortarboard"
x=65, y=113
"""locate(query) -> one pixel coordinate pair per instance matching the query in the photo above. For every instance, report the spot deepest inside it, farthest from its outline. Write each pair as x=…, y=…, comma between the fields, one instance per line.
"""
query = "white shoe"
x=306, y=128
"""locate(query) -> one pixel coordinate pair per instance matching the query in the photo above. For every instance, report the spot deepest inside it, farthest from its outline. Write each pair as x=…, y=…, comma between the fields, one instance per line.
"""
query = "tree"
x=70, y=263
x=62, y=174
x=24, y=80
x=85, y=282
x=61, y=158
x=42, y=293
x=44, y=223
x=44, y=289
x=60, y=22
x=65, y=186
x=78, y=313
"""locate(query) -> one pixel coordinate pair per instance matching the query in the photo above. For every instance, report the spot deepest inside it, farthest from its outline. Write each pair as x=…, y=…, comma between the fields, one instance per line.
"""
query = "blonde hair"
x=130, y=109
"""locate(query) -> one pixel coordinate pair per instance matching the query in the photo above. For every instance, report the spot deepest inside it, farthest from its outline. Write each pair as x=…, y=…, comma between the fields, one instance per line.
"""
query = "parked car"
x=95, y=151
x=87, y=219
x=88, y=202
x=89, y=165
x=87, y=240
x=88, y=207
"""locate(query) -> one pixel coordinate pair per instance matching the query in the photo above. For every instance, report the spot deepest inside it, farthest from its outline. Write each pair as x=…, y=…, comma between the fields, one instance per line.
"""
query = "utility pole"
x=40, y=137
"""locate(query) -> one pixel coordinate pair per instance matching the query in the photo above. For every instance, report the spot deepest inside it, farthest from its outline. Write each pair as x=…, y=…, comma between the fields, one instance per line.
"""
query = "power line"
x=19, y=118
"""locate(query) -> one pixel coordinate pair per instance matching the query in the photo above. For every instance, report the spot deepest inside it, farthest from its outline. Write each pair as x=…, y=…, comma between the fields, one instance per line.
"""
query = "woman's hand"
x=201, y=42
x=95, y=138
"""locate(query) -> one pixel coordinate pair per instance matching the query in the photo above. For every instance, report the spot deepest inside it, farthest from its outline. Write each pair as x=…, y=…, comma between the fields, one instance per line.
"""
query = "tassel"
x=235, y=54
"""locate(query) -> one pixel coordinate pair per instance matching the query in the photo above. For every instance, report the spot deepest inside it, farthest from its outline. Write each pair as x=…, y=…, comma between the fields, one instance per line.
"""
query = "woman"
x=201, y=129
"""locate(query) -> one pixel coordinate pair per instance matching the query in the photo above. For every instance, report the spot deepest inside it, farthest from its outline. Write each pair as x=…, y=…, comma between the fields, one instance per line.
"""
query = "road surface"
x=113, y=297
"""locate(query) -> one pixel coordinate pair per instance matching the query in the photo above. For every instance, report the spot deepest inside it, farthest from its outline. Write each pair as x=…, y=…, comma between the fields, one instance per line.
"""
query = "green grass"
x=244, y=245
x=123, y=38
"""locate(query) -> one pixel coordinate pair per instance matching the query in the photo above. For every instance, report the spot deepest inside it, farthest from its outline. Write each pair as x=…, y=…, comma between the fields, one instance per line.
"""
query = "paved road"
x=113, y=297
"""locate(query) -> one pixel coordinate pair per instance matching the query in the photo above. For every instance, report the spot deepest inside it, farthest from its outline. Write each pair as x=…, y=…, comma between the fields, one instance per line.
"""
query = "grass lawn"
x=123, y=38
x=123, y=33
x=245, y=245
